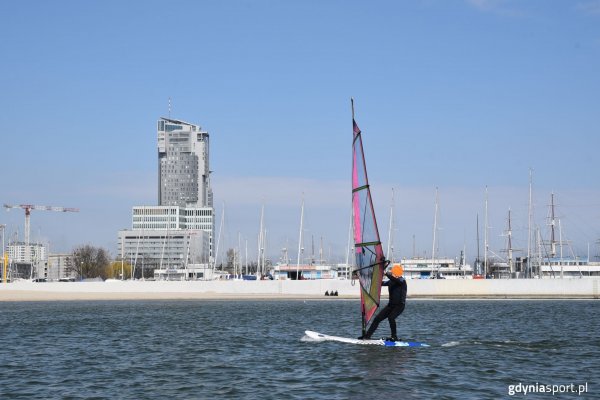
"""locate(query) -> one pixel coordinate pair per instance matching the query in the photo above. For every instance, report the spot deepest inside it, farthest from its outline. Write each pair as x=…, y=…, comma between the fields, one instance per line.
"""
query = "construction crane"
x=29, y=207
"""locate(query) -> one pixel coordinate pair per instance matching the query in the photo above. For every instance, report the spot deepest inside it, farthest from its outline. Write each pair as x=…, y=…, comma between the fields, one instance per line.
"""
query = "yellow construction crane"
x=29, y=207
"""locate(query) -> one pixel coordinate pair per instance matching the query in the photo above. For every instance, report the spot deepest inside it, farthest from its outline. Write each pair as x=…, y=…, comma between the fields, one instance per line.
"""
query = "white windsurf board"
x=377, y=342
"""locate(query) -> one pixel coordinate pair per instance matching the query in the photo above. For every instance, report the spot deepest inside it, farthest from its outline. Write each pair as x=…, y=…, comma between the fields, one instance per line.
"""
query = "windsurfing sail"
x=370, y=260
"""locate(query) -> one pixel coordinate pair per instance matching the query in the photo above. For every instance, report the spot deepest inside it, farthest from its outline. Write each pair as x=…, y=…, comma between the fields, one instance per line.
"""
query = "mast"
x=390, y=248
x=435, y=215
x=463, y=262
x=528, y=272
x=300, y=249
x=349, y=246
x=312, y=249
x=552, y=228
x=478, y=263
x=561, y=249
x=137, y=250
x=485, y=235
x=510, y=249
x=219, y=240
x=239, y=253
x=321, y=252
x=260, y=239
x=264, y=252
x=539, y=245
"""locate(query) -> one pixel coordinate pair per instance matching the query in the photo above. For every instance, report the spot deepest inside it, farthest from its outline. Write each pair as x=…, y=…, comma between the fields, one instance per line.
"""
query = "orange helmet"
x=397, y=270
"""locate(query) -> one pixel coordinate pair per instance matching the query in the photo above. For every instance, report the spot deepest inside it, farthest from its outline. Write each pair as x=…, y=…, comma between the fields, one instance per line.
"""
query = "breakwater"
x=586, y=288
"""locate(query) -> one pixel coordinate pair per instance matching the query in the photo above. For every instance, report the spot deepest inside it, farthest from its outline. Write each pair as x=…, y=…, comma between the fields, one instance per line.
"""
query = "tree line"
x=89, y=262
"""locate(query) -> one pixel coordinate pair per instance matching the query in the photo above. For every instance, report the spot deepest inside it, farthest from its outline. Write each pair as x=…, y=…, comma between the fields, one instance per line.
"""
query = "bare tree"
x=90, y=262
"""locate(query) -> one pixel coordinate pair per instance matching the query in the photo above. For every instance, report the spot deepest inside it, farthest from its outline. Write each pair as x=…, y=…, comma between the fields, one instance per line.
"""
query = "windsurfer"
x=397, y=300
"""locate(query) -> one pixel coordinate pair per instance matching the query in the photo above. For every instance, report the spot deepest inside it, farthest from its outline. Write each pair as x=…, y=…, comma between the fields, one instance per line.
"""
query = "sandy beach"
x=30, y=295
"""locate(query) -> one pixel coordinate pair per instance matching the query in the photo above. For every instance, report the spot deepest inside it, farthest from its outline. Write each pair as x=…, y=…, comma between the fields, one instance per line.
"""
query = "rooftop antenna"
x=169, y=108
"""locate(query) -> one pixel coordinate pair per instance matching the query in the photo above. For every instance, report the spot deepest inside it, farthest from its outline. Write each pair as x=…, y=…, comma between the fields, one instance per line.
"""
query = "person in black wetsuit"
x=397, y=289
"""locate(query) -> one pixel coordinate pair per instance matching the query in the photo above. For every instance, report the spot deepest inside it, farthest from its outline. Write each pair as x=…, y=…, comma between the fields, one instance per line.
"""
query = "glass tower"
x=183, y=164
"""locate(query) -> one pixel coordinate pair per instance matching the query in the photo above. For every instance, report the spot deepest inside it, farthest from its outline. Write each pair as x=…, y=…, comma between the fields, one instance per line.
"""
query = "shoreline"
x=49, y=297
x=490, y=289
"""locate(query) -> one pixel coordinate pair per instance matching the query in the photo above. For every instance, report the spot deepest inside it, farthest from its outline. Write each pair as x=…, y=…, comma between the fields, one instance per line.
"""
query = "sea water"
x=251, y=349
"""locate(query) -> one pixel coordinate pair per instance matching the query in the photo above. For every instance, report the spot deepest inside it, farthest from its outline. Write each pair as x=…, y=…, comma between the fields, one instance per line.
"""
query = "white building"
x=441, y=268
x=19, y=252
x=59, y=268
x=304, y=271
x=569, y=268
x=164, y=249
x=172, y=217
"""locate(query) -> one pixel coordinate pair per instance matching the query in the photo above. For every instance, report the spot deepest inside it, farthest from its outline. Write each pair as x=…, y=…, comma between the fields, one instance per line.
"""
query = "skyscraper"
x=183, y=164
x=174, y=238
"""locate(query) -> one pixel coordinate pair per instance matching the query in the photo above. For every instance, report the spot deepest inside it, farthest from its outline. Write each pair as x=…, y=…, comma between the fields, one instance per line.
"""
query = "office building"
x=183, y=165
x=175, y=235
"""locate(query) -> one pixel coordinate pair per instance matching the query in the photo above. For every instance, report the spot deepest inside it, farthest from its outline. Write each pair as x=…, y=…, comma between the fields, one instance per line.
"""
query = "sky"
x=457, y=95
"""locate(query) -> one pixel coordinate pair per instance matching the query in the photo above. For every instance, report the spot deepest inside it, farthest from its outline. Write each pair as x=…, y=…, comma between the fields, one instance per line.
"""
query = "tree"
x=115, y=269
x=90, y=262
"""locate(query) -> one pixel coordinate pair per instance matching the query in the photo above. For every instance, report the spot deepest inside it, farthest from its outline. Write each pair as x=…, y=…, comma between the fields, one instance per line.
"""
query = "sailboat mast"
x=264, y=252
x=349, y=246
x=478, y=262
x=321, y=252
x=312, y=249
x=552, y=228
x=485, y=235
x=528, y=272
x=219, y=239
x=260, y=240
x=510, y=249
x=300, y=238
x=435, y=215
x=239, y=253
x=561, y=249
x=390, y=248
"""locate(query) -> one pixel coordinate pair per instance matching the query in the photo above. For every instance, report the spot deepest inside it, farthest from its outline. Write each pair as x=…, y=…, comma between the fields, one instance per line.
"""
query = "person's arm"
x=392, y=278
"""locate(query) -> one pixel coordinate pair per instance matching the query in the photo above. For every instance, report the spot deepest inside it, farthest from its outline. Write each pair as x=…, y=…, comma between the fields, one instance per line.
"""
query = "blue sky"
x=449, y=94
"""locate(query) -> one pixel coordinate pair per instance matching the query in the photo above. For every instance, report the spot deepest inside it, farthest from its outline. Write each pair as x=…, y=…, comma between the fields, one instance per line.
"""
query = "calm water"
x=256, y=350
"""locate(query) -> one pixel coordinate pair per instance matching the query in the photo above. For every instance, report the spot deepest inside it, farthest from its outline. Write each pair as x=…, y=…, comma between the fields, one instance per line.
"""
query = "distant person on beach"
x=397, y=289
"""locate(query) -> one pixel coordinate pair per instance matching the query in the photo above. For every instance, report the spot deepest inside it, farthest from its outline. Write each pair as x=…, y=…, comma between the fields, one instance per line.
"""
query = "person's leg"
x=383, y=314
x=393, y=314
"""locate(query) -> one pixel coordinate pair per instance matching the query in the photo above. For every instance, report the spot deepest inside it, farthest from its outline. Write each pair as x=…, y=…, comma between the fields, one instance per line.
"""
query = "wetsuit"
x=397, y=290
